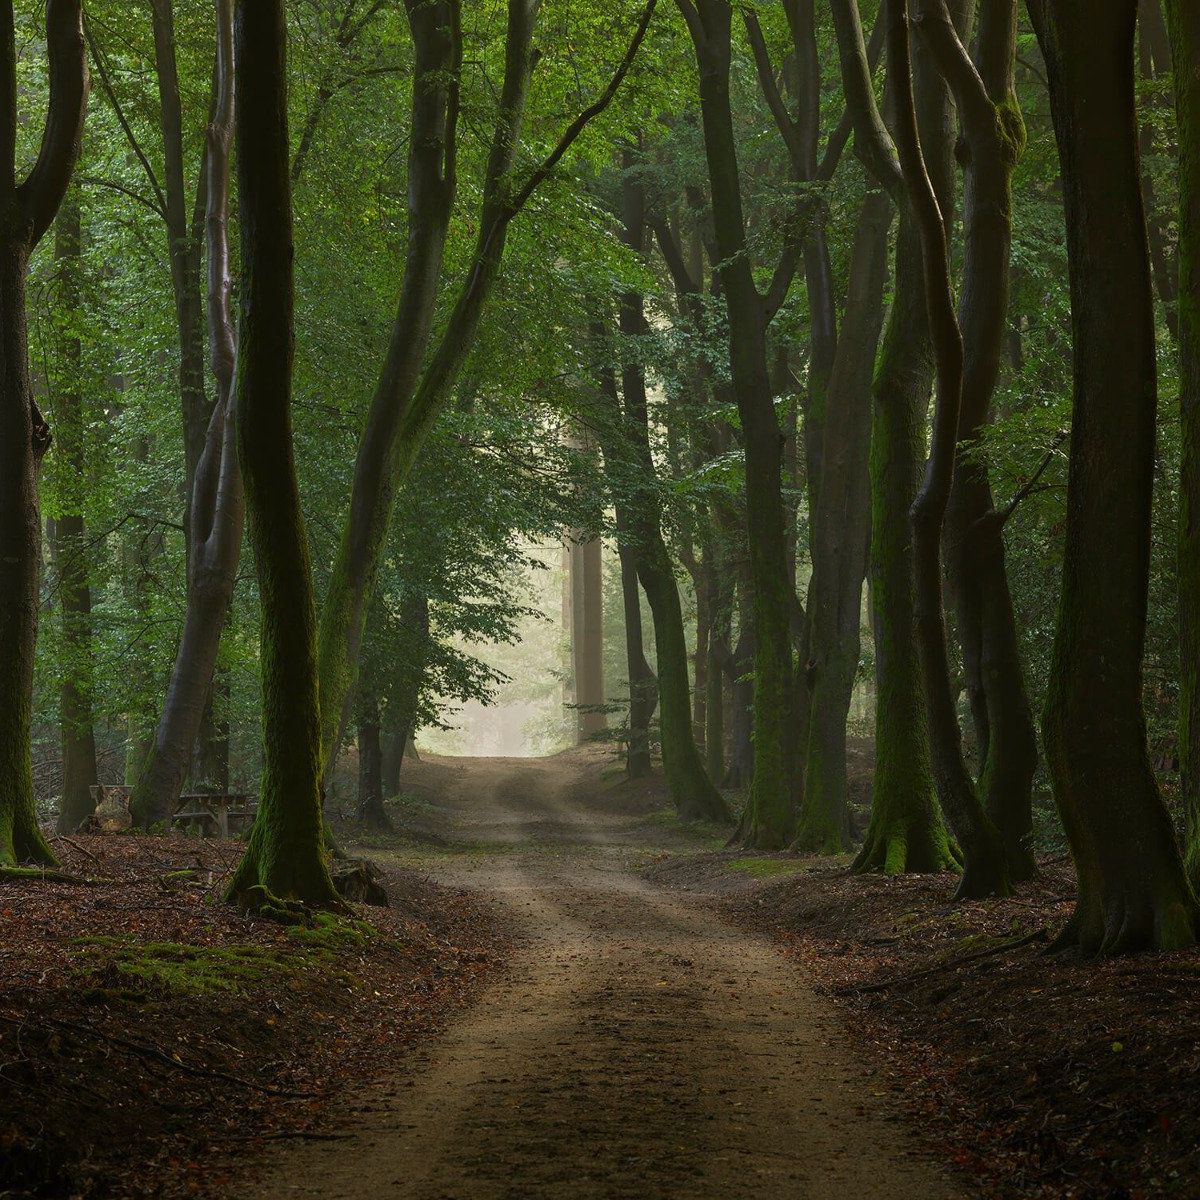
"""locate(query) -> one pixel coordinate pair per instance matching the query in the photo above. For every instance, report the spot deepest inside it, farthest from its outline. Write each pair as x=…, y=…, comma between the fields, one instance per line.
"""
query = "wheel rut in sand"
x=638, y=1046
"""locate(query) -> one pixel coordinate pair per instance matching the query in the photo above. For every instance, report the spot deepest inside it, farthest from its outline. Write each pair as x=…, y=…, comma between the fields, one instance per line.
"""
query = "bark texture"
x=26, y=210
x=1133, y=892
x=285, y=856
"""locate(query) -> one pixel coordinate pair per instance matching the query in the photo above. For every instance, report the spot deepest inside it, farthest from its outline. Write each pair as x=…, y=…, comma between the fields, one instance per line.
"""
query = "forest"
x=770, y=430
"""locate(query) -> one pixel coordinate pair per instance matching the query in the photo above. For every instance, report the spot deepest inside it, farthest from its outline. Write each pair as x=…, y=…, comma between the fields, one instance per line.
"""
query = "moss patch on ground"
x=186, y=969
x=761, y=867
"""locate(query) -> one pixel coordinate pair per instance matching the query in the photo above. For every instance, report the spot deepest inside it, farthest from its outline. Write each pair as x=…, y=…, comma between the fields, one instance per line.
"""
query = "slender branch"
x=119, y=113
x=1031, y=483
x=130, y=193
x=788, y=128
x=588, y=114
x=932, y=20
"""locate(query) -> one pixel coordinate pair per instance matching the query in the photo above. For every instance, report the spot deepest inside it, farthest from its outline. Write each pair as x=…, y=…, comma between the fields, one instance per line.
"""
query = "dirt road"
x=638, y=1047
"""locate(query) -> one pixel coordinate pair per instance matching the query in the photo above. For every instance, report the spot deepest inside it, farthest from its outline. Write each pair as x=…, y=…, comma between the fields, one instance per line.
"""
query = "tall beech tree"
x=993, y=137
x=906, y=832
x=984, y=865
x=217, y=509
x=285, y=856
x=768, y=821
x=1184, y=26
x=414, y=389
x=1133, y=892
x=28, y=206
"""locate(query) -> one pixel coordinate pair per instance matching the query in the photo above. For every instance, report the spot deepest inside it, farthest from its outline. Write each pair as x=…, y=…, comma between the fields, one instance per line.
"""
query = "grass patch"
x=185, y=969
x=767, y=868
x=706, y=833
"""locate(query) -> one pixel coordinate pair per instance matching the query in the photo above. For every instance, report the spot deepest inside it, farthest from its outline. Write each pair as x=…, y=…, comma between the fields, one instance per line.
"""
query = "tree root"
x=1038, y=935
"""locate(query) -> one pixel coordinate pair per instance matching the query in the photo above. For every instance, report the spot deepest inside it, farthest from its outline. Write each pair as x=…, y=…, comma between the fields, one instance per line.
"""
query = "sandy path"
x=638, y=1047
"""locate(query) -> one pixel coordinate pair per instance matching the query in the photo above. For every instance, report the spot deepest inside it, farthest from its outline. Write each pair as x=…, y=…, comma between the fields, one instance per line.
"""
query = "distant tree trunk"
x=370, y=766
x=183, y=252
x=587, y=638
x=1133, y=893
x=630, y=469
x=741, y=687
x=28, y=208
x=643, y=686
x=405, y=693
x=210, y=770
x=69, y=541
x=1184, y=22
x=992, y=140
x=769, y=819
x=285, y=856
x=217, y=507
x=840, y=536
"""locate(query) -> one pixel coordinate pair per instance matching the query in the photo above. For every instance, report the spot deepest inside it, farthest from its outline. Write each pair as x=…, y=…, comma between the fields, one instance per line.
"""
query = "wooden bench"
x=214, y=812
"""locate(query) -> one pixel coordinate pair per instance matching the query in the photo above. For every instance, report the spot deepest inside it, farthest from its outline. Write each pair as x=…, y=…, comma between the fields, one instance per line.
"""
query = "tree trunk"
x=285, y=856
x=26, y=211
x=587, y=638
x=643, y=685
x=769, y=819
x=370, y=767
x=985, y=871
x=183, y=252
x=1133, y=893
x=841, y=530
x=630, y=468
x=1184, y=22
x=993, y=137
x=906, y=832
x=69, y=542
x=217, y=507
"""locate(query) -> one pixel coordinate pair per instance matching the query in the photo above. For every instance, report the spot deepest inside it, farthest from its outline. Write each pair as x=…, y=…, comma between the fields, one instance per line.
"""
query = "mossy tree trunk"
x=285, y=857
x=841, y=529
x=68, y=540
x=26, y=210
x=1184, y=24
x=906, y=833
x=985, y=870
x=1133, y=892
x=993, y=136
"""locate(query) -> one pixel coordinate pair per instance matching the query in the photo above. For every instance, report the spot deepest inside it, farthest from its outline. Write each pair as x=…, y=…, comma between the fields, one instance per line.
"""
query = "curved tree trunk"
x=985, y=871
x=906, y=832
x=1133, y=893
x=217, y=507
x=993, y=136
x=285, y=856
x=27, y=208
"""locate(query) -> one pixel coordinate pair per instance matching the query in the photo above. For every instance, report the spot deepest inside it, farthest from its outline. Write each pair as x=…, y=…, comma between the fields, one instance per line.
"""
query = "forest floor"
x=151, y=1036
x=573, y=995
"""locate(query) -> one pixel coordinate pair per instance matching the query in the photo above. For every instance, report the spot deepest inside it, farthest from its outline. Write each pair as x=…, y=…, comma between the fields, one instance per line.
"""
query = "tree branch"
x=119, y=113
x=593, y=110
x=43, y=190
